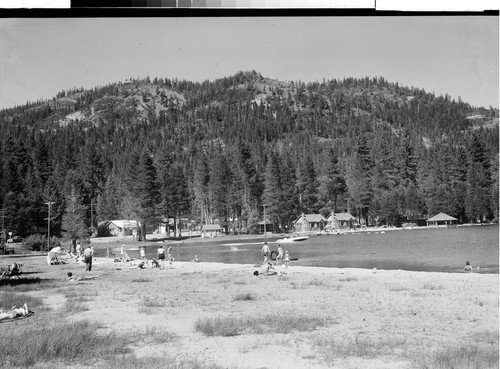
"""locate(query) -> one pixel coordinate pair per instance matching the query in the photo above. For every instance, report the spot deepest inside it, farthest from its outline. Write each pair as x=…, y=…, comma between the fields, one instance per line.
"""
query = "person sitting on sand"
x=155, y=263
x=14, y=313
x=52, y=256
x=468, y=267
x=12, y=269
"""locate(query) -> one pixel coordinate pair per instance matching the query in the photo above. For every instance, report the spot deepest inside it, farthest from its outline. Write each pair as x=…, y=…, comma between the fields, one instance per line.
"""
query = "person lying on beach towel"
x=266, y=270
x=72, y=278
x=14, y=313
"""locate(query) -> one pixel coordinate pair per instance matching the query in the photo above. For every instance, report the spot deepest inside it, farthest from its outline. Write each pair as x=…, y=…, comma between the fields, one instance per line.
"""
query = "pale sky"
x=443, y=54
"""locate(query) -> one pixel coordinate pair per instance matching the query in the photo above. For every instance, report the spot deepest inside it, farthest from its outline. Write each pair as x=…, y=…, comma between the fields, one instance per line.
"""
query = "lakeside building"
x=121, y=227
x=265, y=226
x=341, y=221
x=211, y=230
x=309, y=223
x=442, y=220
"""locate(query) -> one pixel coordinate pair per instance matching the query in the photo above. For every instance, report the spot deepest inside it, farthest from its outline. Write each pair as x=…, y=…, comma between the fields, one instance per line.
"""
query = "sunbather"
x=83, y=278
x=14, y=313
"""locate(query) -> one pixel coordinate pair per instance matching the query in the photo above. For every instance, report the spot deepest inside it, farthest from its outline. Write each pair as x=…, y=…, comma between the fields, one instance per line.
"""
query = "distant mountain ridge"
x=216, y=151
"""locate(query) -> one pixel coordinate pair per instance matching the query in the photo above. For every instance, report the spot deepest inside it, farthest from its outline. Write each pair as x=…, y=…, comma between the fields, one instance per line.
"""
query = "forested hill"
x=217, y=152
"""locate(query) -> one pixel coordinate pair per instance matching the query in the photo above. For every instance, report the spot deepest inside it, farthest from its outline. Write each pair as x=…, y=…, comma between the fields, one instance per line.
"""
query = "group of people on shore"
x=281, y=259
x=86, y=255
x=267, y=267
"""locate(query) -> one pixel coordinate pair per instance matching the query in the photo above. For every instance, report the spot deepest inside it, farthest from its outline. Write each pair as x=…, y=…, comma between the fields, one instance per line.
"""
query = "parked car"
x=15, y=239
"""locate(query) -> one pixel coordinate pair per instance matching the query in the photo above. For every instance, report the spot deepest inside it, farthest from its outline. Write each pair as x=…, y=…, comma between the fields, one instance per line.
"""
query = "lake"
x=428, y=249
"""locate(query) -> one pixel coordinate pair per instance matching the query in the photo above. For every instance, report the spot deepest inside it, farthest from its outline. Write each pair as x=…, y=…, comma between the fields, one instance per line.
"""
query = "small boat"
x=294, y=238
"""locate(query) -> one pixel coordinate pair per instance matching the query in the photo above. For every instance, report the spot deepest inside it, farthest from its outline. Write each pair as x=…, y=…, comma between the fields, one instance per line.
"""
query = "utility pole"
x=2, y=215
x=265, y=222
x=48, y=223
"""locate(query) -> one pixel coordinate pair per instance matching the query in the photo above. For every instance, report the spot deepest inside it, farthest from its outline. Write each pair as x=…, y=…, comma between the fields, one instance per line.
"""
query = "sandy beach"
x=356, y=318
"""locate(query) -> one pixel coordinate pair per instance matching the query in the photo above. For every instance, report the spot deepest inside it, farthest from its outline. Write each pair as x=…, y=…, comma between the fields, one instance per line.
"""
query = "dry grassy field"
x=208, y=315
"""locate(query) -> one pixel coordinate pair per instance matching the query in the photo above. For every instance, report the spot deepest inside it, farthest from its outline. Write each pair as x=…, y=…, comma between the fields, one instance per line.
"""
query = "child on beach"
x=196, y=259
x=287, y=259
x=468, y=267
x=169, y=257
x=143, y=253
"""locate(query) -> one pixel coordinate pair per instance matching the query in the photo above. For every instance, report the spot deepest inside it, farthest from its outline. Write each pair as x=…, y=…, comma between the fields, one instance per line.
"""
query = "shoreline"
x=361, y=318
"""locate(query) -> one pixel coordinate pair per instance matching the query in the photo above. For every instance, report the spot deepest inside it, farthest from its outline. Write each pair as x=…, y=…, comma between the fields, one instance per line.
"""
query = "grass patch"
x=232, y=326
x=9, y=299
x=76, y=300
x=133, y=362
x=348, y=279
x=245, y=297
x=141, y=280
x=27, y=284
x=316, y=282
x=68, y=342
x=148, y=305
x=465, y=356
x=331, y=348
x=398, y=288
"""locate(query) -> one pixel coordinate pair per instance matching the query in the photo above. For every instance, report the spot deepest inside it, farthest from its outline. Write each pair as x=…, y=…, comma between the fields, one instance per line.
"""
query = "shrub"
x=244, y=297
x=271, y=323
x=27, y=345
x=38, y=242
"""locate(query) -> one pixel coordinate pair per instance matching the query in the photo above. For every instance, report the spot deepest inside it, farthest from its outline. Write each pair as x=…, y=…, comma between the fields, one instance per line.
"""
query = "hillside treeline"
x=222, y=151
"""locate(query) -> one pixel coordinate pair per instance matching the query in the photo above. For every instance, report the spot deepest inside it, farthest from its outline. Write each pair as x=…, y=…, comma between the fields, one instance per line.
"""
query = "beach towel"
x=17, y=318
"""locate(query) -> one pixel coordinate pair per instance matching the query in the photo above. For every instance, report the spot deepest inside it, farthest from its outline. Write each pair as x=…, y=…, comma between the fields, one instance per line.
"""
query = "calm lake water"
x=437, y=250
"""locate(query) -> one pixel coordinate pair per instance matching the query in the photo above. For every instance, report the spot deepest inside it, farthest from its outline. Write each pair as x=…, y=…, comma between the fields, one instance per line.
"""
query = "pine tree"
x=73, y=220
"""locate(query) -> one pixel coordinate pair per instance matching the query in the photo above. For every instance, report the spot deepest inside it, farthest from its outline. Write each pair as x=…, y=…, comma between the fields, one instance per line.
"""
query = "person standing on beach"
x=287, y=259
x=169, y=257
x=265, y=252
x=78, y=250
x=143, y=253
x=87, y=254
x=161, y=256
x=122, y=253
x=279, y=257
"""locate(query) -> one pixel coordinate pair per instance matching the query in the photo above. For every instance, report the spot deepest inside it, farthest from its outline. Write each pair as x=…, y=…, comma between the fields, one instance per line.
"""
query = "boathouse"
x=441, y=220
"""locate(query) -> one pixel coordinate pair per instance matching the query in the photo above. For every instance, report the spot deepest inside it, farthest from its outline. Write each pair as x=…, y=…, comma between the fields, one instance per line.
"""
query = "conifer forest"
x=222, y=151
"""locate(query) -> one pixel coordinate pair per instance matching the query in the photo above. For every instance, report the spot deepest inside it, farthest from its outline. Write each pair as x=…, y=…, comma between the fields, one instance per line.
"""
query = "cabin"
x=442, y=220
x=118, y=227
x=341, y=221
x=265, y=226
x=309, y=223
x=211, y=230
